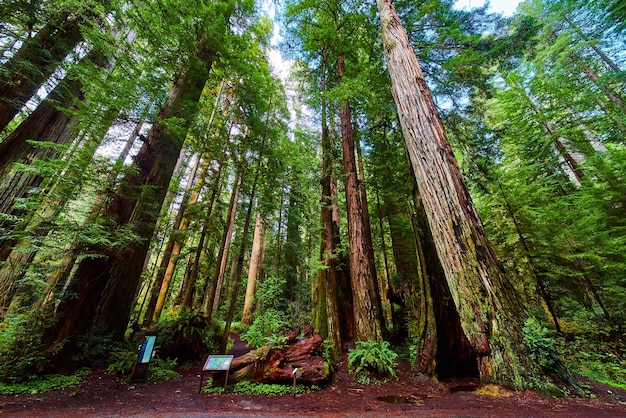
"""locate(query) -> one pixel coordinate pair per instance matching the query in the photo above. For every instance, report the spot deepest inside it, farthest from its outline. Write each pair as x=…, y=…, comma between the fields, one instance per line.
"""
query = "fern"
x=372, y=357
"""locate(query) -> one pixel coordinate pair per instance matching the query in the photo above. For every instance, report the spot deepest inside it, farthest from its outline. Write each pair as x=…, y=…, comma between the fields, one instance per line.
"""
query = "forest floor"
x=101, y=395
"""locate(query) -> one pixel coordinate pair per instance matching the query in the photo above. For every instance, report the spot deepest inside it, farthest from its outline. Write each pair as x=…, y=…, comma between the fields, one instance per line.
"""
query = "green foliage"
x=597, y=356
x=191, y=324
x=540, y=343
x=122, y=360
x=21, y=352
x=267, y=389
x=162, y=369
x=44, y=383
x=270, y=320
x=276, y=341
x=372, y=357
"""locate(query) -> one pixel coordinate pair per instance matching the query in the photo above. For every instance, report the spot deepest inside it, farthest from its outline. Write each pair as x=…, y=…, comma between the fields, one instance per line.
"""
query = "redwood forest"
x=325, y=182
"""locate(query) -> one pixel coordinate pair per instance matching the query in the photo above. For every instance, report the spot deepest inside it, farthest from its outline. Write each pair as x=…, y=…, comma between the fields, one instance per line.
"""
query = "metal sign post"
x=296, y=375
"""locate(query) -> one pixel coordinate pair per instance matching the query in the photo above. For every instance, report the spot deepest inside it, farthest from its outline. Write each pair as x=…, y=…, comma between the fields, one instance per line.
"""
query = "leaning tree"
x=487, y=309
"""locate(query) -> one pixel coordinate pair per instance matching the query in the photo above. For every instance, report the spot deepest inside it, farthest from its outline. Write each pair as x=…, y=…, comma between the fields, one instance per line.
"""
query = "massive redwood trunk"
x=473, y=274
x=105, y=286
x=366, y=297
x=327, y=295
x=46, y=123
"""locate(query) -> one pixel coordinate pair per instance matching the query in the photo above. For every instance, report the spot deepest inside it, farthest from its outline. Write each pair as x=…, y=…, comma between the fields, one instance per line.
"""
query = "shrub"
x=539, y=342
x=271, y=322
x=44, y=383
x=122, y=361
x=267, y=389
x=598, y=358
x=372, y=357
x=21, y=352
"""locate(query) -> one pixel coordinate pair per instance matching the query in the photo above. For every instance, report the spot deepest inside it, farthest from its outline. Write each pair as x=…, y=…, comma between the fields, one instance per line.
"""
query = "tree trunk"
x=327, y=295
x=211, y=302
x=106, y=285
x=46, y=123
x=367, y=304
x=279, y=232
x=189, y=285
x=253, y=269
x=35, y=62
x=58, y=280
x=487, y=309
x=442, y=346
x=293, y=244
x=274, y=365
x=177, y=238
x=236, y=278
x=175, y=242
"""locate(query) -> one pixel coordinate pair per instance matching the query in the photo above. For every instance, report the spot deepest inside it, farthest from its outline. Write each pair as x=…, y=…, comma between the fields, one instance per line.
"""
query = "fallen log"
x=273, y=365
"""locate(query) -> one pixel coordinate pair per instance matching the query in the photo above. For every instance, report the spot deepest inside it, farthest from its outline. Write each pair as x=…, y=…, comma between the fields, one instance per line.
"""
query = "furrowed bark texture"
x=366, y=298
x=328, y=296
x=473, y=272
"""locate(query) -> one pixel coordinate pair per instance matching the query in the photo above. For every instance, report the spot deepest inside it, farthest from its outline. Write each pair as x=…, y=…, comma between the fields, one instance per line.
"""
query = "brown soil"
x=411, y=396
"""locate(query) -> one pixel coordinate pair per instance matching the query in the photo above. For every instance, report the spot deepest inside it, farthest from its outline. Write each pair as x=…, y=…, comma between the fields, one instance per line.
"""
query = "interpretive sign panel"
x=145, y=352
x=144, y=355
x=218, y=362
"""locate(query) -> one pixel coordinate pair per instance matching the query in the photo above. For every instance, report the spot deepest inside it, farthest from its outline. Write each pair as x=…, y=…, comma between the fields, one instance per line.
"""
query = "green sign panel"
x=218, y=362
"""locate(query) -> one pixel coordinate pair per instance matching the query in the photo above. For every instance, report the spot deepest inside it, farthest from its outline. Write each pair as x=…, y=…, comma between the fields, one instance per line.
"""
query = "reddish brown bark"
x=236, y=278
x=212, y=297
x=327, y=314
x=366, y=298
x=189, y=285
x=274, y=365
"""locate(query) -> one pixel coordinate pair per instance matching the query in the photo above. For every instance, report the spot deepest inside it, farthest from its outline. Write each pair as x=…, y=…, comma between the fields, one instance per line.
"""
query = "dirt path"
x=100, y=395
x=240, y=347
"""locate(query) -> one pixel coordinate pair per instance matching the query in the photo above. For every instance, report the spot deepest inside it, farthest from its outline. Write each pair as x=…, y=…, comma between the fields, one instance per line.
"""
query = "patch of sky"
x=505, y=7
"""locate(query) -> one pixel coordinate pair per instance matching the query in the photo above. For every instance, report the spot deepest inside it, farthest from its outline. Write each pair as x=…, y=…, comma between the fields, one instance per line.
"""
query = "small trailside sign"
x=145, y=352
x=216, y=363
x=144, y=355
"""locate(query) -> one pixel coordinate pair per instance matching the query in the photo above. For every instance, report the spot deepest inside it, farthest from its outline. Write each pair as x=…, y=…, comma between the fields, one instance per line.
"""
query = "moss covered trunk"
x=488, y=313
